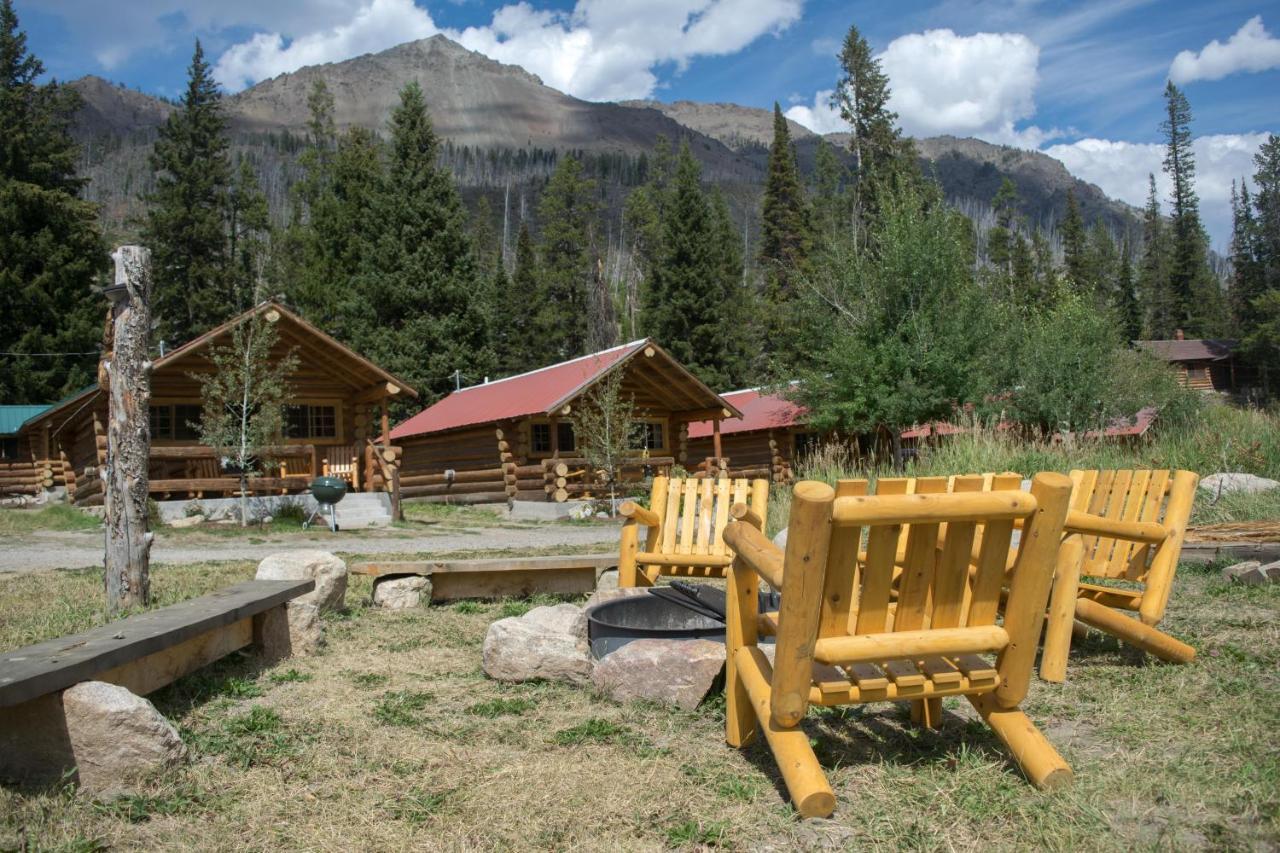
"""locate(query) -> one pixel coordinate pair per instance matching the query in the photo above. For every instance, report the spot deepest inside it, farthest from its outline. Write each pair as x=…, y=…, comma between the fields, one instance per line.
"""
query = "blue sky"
x=1081, y=81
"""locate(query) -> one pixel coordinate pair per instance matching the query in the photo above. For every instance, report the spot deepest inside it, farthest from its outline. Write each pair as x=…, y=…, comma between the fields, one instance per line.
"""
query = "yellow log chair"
x=842, y=638
x=343, y=466
x=686, y=519
x=1130, y=526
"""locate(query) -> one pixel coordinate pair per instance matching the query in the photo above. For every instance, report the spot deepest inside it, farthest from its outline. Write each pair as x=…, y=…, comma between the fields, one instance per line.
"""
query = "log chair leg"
x=927, y=712
x=1036, y=757
x=1062, y=611
x=810, y=791
x=1133, y=632
x=741, y=605
x=627, y=556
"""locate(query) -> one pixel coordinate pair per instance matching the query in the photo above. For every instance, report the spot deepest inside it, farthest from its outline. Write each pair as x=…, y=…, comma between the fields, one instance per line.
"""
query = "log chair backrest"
x=843, y=595
x=695, y=510
x=341, y=462
x=1162, y=496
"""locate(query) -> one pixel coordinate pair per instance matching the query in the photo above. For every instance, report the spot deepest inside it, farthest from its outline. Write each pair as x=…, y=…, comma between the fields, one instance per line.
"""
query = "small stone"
x=608, y=580
x=673, y=672
x=546, y=643
x=1222, y=484
x=187, y=521
x=326, y=569
x=266, y=519
x=117, y=736
x=1235, y=572
x=402, y=592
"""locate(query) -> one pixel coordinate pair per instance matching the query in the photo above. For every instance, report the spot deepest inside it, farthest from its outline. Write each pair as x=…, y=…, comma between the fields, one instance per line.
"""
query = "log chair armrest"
x=755, y=550
x=742, y=512
x=632, y=511
x=1142, y=532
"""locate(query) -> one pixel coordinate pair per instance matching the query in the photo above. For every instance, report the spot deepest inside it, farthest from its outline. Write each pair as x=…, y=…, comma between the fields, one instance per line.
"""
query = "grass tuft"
x=401, y=707
x=501, y=707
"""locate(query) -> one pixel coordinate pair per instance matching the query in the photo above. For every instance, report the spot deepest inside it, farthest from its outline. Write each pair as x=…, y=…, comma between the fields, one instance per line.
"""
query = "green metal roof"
x=13, y=417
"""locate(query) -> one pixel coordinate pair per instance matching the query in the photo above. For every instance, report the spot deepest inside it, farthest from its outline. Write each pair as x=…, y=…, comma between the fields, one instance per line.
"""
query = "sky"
x=1080, y=81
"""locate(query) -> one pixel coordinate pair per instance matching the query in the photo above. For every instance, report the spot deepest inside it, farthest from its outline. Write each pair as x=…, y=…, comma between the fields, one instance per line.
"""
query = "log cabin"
x=19, y=471
x=513, y=438
x=1205, y=364
x=766, y=441
x=337, y=407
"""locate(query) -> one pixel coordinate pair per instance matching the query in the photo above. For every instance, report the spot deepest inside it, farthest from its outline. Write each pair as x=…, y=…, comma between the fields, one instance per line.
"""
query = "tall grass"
x=1216, y=438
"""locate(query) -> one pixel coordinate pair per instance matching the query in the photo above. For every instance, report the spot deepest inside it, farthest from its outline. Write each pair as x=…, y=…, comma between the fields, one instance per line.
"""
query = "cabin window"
x=174, y=422
x=649, y=435
x=8, y=448
x=310, y=421
x=540, y=437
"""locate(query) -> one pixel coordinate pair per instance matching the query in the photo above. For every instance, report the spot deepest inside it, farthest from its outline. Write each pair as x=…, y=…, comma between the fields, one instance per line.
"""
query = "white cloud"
x=1252, y=48
x=981, y=85
x=602, y=50
x=821, y=117
x=1121, y=169
x=377, y=26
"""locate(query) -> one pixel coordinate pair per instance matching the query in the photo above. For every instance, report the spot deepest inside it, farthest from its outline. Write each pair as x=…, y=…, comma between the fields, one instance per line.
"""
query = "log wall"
x=759, y=453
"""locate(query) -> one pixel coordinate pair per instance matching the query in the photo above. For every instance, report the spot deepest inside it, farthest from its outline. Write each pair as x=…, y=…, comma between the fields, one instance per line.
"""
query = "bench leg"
x=1036, y=757
x=1062, y=611
x=927, y=712
x=271, y=634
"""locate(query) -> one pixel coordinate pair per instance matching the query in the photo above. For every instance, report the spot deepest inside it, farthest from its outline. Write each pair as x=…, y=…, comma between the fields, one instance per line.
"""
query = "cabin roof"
x=343, y=360
x=13, y=417
x=760, y=410
x=1203, y=349
x=548, y=389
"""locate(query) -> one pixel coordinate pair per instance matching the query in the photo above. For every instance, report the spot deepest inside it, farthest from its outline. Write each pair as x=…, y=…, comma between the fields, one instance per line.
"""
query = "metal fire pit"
x=327, y=491
x=612, y=625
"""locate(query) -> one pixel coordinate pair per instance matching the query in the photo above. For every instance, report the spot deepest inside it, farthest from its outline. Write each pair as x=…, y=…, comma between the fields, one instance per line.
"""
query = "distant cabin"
x=766, y=441
x=1205, y=364
x=338, y=405
x=514, y=438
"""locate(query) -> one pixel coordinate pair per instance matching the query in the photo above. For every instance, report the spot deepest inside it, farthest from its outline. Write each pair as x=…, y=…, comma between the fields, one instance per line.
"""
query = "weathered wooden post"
x=127, y=368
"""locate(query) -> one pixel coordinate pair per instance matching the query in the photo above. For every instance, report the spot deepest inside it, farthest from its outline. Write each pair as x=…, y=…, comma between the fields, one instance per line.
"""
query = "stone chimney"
x=1178, y=336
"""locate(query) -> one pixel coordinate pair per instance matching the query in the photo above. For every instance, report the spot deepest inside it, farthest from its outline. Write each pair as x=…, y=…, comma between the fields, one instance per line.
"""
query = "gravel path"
x=83, y=549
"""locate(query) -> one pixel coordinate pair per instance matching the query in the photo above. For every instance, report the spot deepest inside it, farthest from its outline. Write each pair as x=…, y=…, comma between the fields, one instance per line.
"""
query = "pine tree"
x=1267, y=204
x=785, y=229
x=417, y=290
x=740, y=308
x=1073, y=246
x=1159, y=318
x=1194, y=291
x=1126, y=299
x=862, y=96
x=186, y=226
x=831, y=199
x=568, y=213
x=524, y=346
x=249, y=227
x=1101, y=267
x=691, y=281
x=50, y=248
x=1247, y=272
x=1001, y=237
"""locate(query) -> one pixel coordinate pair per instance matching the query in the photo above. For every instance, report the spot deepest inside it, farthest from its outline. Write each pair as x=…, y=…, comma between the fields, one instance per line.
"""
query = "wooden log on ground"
x=482, y=475
x=531, y=495
x=442, y=489
x=496, y=497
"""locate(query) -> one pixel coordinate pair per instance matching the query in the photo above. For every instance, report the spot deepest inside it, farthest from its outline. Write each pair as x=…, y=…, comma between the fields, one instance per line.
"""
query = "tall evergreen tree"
x=692, y=281
x=785, y=229
x=1247, y=272
x=831, y=198
x=568, y=212
x=1267, y=204
x=1074, y=247
x=524, y=349
x=418, y=291
x=50, y=247
x=250, y=233
x=1126, y=298
x=1001, y=237
x=1159, y=316
x=1194, y=290
x=862, y=97
x=186, y=227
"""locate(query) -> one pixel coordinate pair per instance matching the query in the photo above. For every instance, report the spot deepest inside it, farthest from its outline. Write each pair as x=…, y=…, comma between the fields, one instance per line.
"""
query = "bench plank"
x=497, y=564
x=60, y=663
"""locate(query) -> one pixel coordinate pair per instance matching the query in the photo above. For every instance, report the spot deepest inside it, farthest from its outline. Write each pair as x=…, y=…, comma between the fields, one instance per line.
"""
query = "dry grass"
x=394, y=739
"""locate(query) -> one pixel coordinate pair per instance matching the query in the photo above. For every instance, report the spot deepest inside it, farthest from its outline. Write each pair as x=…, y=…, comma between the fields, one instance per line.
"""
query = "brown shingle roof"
x=1206, y=349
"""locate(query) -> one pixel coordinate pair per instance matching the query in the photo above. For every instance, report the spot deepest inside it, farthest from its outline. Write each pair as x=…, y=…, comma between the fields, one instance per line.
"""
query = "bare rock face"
x=673, y=672
x=547, y=643
x=116, y=736
x=327, y=570
x=401, y=593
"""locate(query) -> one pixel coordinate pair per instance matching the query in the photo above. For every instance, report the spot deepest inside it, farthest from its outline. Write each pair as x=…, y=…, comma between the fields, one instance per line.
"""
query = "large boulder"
x=547, y=643
x=116, y=736
x=326, y=569
x=673, y=672
x=1237, y=482
x=401, y=592
x=600, y=596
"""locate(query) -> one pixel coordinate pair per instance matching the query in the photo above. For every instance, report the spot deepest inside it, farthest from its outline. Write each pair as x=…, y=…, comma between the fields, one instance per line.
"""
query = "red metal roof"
x=759, y=411
x=536, y=392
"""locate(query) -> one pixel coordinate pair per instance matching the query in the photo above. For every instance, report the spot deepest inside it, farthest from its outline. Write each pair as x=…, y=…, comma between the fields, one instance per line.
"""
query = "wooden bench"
x=143, y=653
x=502, y=577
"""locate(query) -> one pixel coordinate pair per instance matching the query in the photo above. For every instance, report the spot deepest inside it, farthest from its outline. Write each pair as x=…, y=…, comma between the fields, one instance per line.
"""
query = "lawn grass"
x=16, y=521
x=393, y=739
